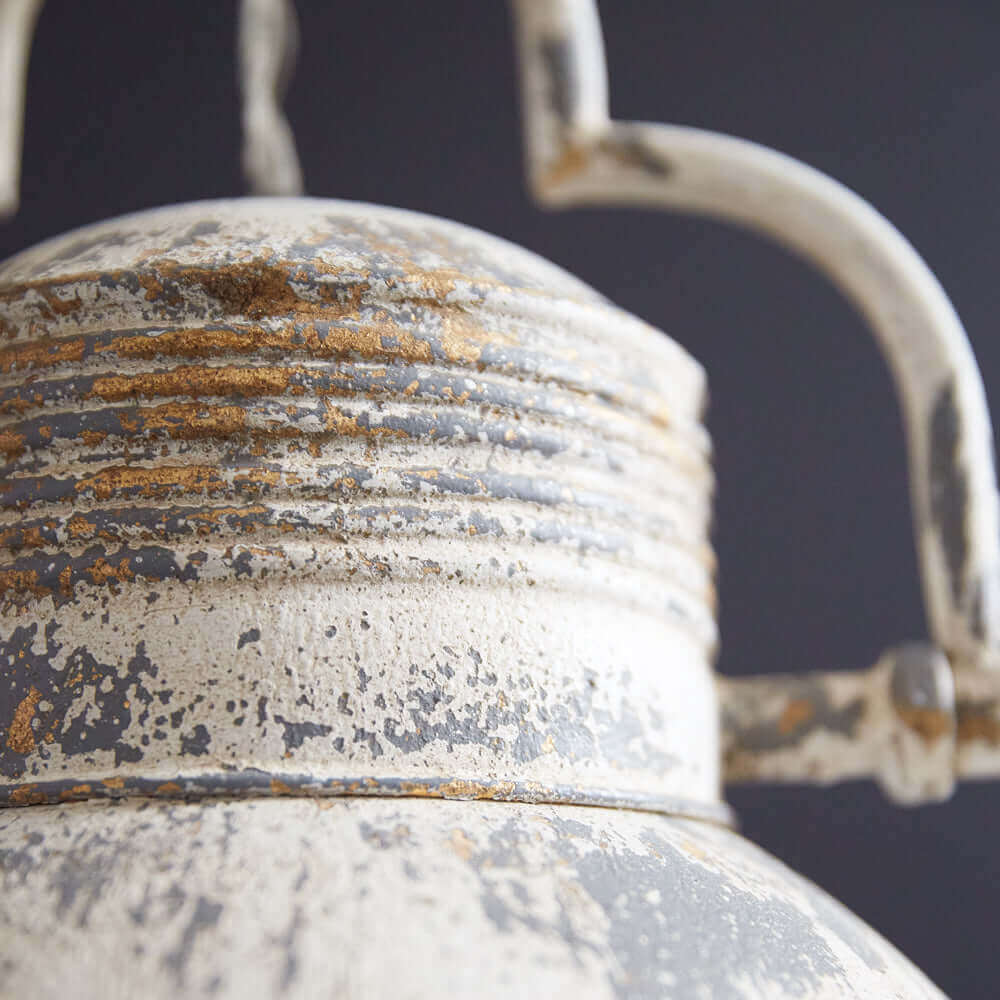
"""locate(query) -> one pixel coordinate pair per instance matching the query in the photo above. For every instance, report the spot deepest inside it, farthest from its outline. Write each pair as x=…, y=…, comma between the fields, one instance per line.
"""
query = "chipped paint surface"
x=428, y=899
x=901, y=722
x=305, y=495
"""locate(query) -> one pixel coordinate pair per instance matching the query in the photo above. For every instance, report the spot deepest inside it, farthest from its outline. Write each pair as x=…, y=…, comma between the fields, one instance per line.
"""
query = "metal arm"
x=17, y=24
x=268, y=38
x=267, y=44
x=576, y=155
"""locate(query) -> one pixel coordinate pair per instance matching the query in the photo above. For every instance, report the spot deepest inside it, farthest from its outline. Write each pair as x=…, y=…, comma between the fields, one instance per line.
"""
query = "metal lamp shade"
x=357, y=631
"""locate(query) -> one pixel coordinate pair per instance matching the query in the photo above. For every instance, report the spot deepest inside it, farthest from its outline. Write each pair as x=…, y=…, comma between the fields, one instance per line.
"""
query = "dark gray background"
x=414, y=104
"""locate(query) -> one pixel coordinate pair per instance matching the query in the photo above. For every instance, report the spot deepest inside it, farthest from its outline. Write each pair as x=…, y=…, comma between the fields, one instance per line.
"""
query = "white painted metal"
x=409, y=900
x=577, y=155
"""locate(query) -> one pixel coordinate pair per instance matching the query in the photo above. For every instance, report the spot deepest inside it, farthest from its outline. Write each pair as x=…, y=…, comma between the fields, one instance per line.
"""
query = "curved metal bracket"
x=577, y=155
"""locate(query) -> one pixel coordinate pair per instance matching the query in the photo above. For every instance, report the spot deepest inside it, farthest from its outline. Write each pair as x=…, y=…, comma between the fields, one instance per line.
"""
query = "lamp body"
x=357, y=630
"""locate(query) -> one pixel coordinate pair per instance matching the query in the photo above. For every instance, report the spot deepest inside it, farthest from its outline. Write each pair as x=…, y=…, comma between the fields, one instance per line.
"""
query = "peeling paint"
x=314, y=421
x=487, y=898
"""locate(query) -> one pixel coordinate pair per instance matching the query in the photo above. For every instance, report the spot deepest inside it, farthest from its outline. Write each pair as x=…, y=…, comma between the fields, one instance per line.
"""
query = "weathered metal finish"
x=313, y=512
x=415, y=899
x=577, y=154
x=329, y=497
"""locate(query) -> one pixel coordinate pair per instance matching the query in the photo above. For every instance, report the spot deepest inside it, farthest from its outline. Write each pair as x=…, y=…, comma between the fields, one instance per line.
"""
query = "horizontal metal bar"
x=908, y=722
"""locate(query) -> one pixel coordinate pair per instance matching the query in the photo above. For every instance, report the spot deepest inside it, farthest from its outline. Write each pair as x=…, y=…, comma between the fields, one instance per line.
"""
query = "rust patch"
x=279, y=787
x=797, y=713
x=20, y=406
x=188, y=343
x=928, y=723
x=215, y=515
x=978, y=723
x=15, y=538
x=102, y=571
x=152, y=285
x=376, y=339
x=572, y=161
x=60, y=306
x=459, y=789
x=11, y=444
x=184, y=422
x=154, y=483
x=27, y=795
x=79, y=527
x=379, y=337
x=46, y=351
x=341, y=423
x=462, y=341
x=21, y=581
x=417, y=789
x=75, y=794
x=254, y=289
x=20, y=738
x=195, y=381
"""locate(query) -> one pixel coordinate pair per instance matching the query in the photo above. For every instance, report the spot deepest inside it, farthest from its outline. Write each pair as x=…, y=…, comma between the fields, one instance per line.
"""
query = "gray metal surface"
x=366, y=899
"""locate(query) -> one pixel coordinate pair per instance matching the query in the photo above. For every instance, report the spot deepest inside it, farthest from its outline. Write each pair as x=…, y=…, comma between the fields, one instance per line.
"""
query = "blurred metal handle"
x=17, y=24
x=576, y=155
x=267, y=44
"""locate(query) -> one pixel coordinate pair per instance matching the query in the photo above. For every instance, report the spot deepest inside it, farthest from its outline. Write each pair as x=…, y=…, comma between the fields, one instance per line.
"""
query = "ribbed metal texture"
x=312, y=494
